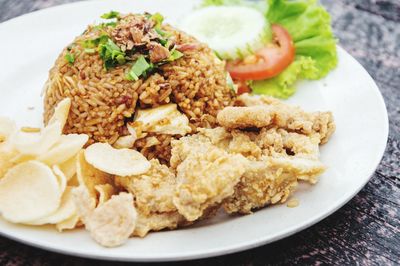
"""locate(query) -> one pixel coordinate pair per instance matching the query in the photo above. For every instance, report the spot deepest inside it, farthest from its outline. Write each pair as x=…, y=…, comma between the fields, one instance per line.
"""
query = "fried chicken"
x=270, y=181
x=157, y=222
x=153, y=192
x=198, y=143
x=260, y=185
x=280, y=144
x=277, y=142
x=205, y=179
x=246, y=99
x=266, y=111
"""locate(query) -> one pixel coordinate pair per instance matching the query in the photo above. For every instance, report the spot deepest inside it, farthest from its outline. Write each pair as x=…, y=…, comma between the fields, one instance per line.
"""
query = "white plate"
x=30, y=45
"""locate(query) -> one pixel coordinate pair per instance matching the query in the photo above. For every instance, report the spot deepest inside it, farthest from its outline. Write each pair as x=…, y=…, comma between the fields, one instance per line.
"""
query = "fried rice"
x=103, y=100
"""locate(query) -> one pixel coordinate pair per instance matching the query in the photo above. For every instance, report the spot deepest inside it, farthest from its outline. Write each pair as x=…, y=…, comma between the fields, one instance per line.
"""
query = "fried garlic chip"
x=121, y=162
x=29, y=191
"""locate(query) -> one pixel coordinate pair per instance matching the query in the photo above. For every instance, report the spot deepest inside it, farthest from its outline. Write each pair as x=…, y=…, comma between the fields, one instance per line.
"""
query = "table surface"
x=367, y=229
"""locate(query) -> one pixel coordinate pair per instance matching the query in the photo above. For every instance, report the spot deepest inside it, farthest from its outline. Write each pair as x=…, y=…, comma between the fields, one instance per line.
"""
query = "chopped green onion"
x=175, y=54
x=110, y=15
x=120, y=59
x=160, y=31
x=139, y=68
x=163, y=42
x=69, y=57
x=111, y=24
x=158, y=18
x=101, y=26
x=95, y=42
x=111, y=54
x=89, y=50
x=108, y=50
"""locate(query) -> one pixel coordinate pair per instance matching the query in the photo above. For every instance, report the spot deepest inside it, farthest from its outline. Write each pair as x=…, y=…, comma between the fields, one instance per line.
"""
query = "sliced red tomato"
x=269, y=61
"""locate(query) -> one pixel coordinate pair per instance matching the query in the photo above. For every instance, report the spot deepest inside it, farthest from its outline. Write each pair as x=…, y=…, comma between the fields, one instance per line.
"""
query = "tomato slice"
x=269, y=61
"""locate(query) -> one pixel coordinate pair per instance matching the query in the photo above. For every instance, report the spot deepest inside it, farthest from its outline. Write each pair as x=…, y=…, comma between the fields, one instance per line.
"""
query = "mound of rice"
x=103, y=100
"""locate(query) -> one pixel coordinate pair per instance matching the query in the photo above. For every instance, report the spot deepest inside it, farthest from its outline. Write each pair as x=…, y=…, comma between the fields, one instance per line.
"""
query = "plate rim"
x=227, y=249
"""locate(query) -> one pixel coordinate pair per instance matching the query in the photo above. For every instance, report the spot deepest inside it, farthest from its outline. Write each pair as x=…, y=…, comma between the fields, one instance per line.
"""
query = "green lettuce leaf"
x=309, y=25
x=281, y=86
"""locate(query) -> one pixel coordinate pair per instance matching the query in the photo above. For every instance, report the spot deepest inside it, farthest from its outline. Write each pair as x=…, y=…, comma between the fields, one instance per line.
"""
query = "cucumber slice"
x=232, y=31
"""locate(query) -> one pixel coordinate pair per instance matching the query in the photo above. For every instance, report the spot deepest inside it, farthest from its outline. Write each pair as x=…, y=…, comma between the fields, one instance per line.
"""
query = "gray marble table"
x=365, y=231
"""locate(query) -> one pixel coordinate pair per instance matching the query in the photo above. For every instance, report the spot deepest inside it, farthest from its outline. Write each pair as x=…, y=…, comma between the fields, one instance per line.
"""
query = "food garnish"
x=110, y=15
x=111, y=54
x=302, y=44
x=266, y=62
x=139, y=68
x=140, y=41
x=70, y=58
x=233, y=32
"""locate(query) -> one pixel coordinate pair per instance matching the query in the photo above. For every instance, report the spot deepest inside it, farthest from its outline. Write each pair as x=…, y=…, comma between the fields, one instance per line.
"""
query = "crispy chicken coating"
x=276, y=161
x=246, y=99
x=181, y=148
x=276, y=142
x=265, y=111
x=157, y=222
x=270, y=181
x=260, y=185
x=205, y=179
x=153, y=192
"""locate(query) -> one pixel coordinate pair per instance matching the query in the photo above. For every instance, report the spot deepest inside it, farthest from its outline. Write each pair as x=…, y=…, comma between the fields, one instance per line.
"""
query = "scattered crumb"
x=293, y=203
x=30, y=129
x=31, y=108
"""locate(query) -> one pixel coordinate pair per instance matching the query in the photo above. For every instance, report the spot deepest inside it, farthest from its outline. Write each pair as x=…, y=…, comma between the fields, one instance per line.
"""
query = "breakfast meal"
x=149, y=127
